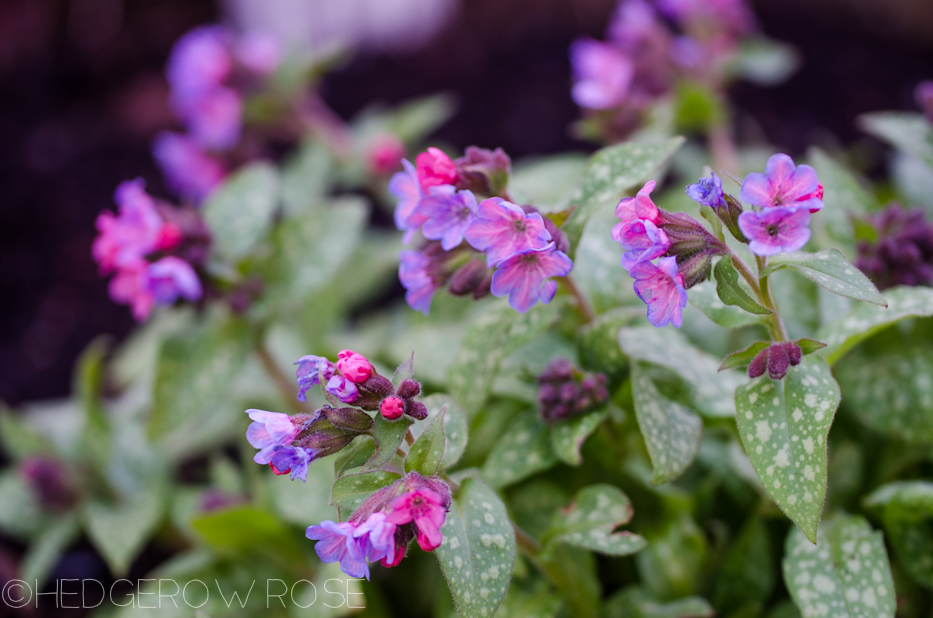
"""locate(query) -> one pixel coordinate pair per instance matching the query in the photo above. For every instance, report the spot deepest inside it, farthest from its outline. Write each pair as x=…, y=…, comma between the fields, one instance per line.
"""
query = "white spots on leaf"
x=763, y=430
x=752, y=398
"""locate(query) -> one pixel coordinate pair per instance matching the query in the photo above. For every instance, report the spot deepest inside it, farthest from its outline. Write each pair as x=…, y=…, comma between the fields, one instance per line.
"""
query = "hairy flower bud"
x=776, y=359
x=416, y=409
x=695, y=269
x=348, y=418
x=468, y=277
x=565, y=391
x=392, y=408
x=408, y=389
x=483, y=171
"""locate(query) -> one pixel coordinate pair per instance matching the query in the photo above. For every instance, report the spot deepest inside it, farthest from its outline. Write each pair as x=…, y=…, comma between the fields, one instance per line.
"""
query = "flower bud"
x=416, y=409
x=561, y=242
x=385, y=154
x=776, y=359
x=354, y=366
x=759, y=364
x=730, y=217
x=483, y=171
x=325, y=442
x=349, y=418
x=695, y=269
x=48, y=479
x=378, y=385
x=392, y=408
x=778, y=362
x=794, y=353
x=408, y=389
x=565, y=391
x=901, y=252
x=468, y=277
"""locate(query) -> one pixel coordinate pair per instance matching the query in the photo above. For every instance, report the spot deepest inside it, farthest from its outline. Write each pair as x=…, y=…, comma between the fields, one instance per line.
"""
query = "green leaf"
x=671, y=431
x=538, y=604
x=524, y=449
x=194, y=372
x=675, y=535
x=478, y=550
x=711, y=391
x=21, y=515
x=845, y=573
x=764, y=61
x=455, y=426
x=809, y=346
x=356, y=455
x=747, y=574
x=426, y=453
x=495, y=334
x=119, y=532
x=239, y=213
x=405, y=371
x=598, y=343
x=743, y=357
x=830, y=270
x=907, y=513
x=388, y=436
x=19, y=439
x=612, y=172
x=416, y=119
x=547, y=182
x=301, y=503
x=906, y=131
x=866, y=320
x=45, y=551
x=590, y=520
x=715, y=222
x=350, y=490
x=245, y=532
x=306, y=177
x=634, y=602
x=784, y=425
x=731, y=291
x=567, y=437
x=560, y=217
x=892, y=392
x=705, y=298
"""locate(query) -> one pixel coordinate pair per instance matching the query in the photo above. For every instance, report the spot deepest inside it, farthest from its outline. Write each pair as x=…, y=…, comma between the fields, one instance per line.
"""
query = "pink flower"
x=385, y=153
x=354, y=366
x=172, y=278
x=639, y=207
x=642, y=241
x=783, y=184
x=661, y=287
x=448, y=214
x=418, y=283
x=435, y=168
x=343, y=389
x=602, y=73
x=405, y=187
x=258, y=52
x=502, y=230
x=773, y=230
x=123, y=240
x=426, y=509
x=392, y=407
x=524, y=277
x=188, y=170
x=213, y=118
x=128, y=287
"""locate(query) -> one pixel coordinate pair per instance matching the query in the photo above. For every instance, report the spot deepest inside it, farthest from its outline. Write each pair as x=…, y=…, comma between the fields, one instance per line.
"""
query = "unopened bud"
x=794, y=353
x=408, y=389
x=558, y=236
x=392, y=408
x=349, y=418
x=378, y=385
x=730, y=217
x=565, y=391
x=326, y=442
x=695, y=269
x=468, y=277
x=483, y=171
x=778, y=362
x=416, y=409
x=759, y=364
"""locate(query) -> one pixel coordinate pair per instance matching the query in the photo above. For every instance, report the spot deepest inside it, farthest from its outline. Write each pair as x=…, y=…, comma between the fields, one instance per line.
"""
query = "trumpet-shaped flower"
x=503, y=230
x=602, y=73
x=418, y=283
x=661, y=287
x=405, y=187
x=269, y=430
x=642, y=241
x=708, y=191
x=447, y=213
x=312, y=370
x=172, y=278
x=425, y=508
x=773, y=230
x=783, y=184
x=336, y=543
x=524, y=277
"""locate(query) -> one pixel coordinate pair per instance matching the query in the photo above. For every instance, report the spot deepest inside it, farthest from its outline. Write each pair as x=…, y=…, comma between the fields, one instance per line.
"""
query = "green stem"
x=526, y=542
x=585, y=308
x=778, y=331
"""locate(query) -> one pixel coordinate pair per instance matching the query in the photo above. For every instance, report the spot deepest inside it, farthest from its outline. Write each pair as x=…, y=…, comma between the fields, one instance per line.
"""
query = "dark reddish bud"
x=49, y=482
x=483, y=171
x=416, y=409
x=561, y=242
x=794, y=353
x=485, y=286
x=349, y=418
x=213, y=499
x=408, y=389
x=759, y=364
x=325, y=442
x=378, y=385
x=468, y=277
x=778, y=362
x=565, y=391
x=392, y=408
x=695, y=269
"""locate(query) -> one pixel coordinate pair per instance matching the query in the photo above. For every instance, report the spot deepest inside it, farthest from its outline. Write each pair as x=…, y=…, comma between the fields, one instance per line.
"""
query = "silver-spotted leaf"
x=906, y=510
x=426, y=453
x=784, y=425
x=705, y=298
x=388, y=436
x=524, y=449
x=567, y=437
x=239, y=213
x=455, y=426
x=120, y=531
x=590, y=520
x=830, y=270
x=350, y=490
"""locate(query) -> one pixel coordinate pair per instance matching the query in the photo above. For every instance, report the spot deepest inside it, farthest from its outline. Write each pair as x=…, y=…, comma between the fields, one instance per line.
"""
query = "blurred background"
x=82, y=92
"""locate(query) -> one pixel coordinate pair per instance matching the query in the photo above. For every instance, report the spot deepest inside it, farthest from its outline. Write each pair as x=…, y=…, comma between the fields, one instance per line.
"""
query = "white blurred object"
x=316, y=26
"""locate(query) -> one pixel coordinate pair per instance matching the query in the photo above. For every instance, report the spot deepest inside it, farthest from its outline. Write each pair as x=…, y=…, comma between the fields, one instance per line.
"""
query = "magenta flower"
x=128, y=287
x=924, y=96
x=426, y=509
x=405, y=186
x=342, y=388
x=641, y=240
x=125, y=239
x=661, y=287
x=269, y=430
x=524, y=277
x=292, y=460
x=259, y=52
x=312, y=370
x=602, y=74
x=384, y=154
x=434, y=168
x=200, y=61
x=418, y=283
x=773, y=230
x=392, y=407
x=354, y=366
x=634, y=25
x=213, y=118
x=337, y=543
x=189, y=171
x=708, y=191
x=172, y=278
x=502, y=230
x=380, y=534
x=783, y=184
x=639, y=207
x=447, y=213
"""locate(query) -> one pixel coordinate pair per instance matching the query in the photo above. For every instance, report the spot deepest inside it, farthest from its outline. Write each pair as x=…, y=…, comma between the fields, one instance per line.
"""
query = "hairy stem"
x=747, y=274
x=585, y=308
x=526, y=542
x=778, y=331
x=410, y=439
x=282, y=382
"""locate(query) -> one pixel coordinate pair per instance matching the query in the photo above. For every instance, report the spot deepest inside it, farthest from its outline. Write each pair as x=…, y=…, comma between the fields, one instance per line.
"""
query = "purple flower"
x=380, y=533
x=418, y=283
x=634, y=24
x=773, y=230
x=312, y=370
x=502, y=230
x=127, y=287
x=524, y=277
x=602, y=73
x=172, y=278
x=639, y=207
x=447, y=213
x=924, y=96
x=213, y=118
x=291, y=459
x=200, y=61
x=661, y=287
x=642, y=241
x=342, y=388
x=268, y=431
x=783, y=184
x=125, y=239
x=259, y=52
x=336, y=543
x=189, y=171
x=708, y=191
x=406, y=187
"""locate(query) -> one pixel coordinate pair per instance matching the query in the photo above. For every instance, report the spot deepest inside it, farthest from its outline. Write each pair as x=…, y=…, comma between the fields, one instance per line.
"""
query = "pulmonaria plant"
x=151, y=249
x=901, y=252
x=566, y=391
x=522, y=250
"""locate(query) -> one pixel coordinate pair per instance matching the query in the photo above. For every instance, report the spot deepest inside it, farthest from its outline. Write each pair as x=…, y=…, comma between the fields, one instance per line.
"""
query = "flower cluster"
x=150, y=249
x=209, y=69
x=437, y=196
x=776, y=359
x=565, y=391
x=642, y=58
x=354, y=380
x=383, y=526
x=902, y=252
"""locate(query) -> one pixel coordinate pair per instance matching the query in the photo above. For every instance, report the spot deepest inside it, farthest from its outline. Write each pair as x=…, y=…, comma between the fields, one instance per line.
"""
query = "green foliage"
x=427, y=452
x=351, y=489
x=731, y=292
x=830, y=270
x=784, y=425
x=567, y=437
x=455, y=426
x=590, y=520
x=239, y=213
x=906, y=509
x=119, y=531
x=908, y=132
x=388, y=436
x=524, y=449
x=746, y=577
